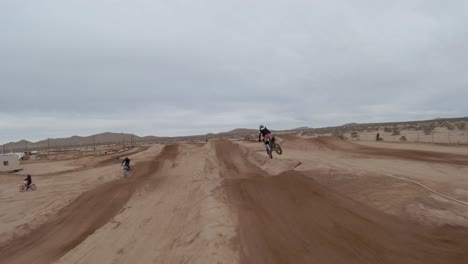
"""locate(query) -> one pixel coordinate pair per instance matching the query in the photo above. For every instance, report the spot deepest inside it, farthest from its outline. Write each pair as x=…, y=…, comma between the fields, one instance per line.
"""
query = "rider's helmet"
x=261, y=127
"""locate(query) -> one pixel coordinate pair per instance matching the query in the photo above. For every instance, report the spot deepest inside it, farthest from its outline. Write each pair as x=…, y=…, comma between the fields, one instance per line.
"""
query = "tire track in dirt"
x=290, y=218
x=74, y=223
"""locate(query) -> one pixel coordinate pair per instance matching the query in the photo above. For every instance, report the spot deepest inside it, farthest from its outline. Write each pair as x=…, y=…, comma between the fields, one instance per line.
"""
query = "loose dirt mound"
x=289, y=218
x=81, y=218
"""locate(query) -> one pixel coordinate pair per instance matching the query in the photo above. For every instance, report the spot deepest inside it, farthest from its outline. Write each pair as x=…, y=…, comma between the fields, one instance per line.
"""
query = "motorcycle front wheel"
x=278, y=149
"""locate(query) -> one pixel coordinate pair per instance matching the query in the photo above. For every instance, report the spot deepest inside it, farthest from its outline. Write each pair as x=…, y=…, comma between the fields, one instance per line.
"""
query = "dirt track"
x=224, y=202
x=75, y=223
x=290, y=218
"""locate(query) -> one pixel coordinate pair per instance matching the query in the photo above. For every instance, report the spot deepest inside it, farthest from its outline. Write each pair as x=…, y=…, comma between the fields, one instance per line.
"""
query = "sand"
x=323, y=201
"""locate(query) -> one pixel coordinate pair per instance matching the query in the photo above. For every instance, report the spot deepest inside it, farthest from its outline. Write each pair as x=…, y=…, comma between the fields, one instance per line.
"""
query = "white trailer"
x=9, y=163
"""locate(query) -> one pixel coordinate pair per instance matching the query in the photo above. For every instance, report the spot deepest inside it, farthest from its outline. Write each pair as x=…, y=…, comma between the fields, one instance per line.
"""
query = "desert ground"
x=325, y=200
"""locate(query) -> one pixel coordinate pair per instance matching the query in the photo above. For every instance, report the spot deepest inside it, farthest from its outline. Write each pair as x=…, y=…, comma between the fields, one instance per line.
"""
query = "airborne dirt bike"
x=126, y=170
x=23, y=188
x=271, y=146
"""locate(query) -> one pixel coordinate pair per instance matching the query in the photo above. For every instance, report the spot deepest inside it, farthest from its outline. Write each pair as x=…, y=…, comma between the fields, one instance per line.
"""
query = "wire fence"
x=448, y=137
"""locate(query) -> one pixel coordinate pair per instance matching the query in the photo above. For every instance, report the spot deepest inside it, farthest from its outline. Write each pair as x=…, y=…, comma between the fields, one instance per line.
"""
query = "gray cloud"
x=184, y=67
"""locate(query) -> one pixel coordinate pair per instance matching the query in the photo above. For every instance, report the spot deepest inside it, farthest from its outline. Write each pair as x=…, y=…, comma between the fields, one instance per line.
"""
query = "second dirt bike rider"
x=28, y=181
x=263, y=131
x=126, y=163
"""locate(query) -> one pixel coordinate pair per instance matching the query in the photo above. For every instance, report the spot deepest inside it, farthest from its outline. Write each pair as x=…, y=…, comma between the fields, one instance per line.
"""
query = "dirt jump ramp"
x=290, y=218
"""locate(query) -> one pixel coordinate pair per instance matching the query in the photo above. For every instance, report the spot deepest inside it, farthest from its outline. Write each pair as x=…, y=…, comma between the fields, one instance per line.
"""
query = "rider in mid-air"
x=263, y=131
x=126, y=163
x=28, y=181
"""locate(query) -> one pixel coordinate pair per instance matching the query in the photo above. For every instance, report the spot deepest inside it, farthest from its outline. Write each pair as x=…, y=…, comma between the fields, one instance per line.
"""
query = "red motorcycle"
x=23, y=187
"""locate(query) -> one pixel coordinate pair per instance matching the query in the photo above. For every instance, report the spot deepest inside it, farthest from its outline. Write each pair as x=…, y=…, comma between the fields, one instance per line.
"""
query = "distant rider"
x=126, y=163
x=263, y=131
x=28, y=181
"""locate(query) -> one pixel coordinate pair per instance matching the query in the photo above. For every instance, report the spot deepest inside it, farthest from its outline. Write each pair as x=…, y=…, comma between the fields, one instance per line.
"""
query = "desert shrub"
x=395, y=131
x=339, y=134
x=387, y=129
x=448, y=125
x=403, y=138
x=342, y=136
x=354, y=134
x=461, y=125
x=428, y=129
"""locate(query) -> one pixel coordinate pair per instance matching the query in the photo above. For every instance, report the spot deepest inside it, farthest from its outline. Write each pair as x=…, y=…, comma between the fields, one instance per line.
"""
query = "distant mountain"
x=350, y=124
x=77, y=141
x=127, y=139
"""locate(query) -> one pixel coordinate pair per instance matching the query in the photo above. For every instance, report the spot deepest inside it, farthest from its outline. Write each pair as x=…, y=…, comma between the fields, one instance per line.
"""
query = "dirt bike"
x=23, y=188
x=271, y=146
x=126, y=170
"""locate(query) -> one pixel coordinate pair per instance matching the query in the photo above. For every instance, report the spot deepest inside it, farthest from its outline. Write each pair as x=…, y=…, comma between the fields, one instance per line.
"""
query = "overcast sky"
x=153, y=67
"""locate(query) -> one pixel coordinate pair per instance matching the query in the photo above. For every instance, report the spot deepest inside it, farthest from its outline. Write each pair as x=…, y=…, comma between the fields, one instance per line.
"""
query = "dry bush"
x=428, y=129
x=403, y=139
x=395, y=131
x=461, y=125
x=339, y=134
x=387, y=129
x=354, y=134
x=448, y=125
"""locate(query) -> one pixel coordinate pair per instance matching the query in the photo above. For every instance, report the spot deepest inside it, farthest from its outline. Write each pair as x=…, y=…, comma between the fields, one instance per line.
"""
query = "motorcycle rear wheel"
x=270, y=154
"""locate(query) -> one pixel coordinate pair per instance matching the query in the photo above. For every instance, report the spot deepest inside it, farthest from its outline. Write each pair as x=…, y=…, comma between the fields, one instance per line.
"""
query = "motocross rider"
x=126, y=163
x=263, y=131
